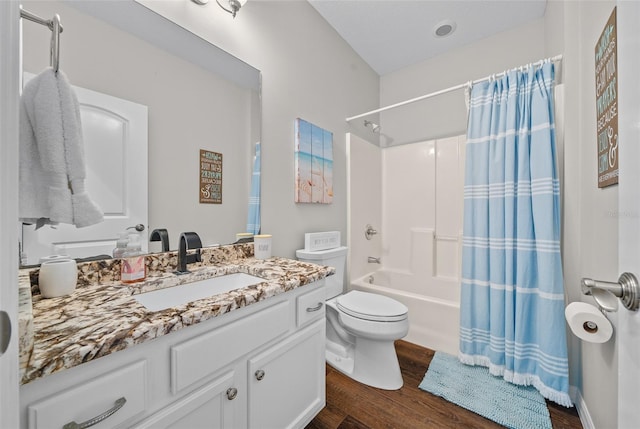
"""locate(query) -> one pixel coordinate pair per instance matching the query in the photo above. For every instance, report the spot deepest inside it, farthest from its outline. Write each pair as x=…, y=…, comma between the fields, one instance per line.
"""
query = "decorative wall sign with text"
x=606, y=53
x=313, y=163
x=210, y=177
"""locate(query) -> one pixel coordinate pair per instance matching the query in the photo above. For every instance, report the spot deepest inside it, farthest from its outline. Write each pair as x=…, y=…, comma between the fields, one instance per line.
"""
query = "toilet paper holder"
x=604, y=293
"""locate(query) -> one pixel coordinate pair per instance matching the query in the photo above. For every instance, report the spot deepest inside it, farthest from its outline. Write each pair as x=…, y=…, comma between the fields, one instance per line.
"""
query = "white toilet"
x=361, y=326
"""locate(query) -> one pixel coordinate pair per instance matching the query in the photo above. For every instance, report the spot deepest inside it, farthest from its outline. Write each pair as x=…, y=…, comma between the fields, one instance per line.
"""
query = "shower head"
x=374, y=127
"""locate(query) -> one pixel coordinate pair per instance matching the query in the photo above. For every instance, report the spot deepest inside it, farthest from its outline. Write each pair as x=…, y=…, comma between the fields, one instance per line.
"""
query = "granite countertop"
x=103, y=318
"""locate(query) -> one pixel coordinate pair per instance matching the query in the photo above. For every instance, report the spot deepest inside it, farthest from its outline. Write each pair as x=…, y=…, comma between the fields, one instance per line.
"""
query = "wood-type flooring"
x=351, y=405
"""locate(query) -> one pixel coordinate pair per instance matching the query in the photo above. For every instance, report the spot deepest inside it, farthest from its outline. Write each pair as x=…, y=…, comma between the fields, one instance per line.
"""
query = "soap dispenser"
x=132, y=266
x=121, y=245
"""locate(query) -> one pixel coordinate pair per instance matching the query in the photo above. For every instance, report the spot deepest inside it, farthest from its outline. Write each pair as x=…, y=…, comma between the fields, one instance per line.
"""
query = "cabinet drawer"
x=310, y=306
x=202, y=356
x=94, y=398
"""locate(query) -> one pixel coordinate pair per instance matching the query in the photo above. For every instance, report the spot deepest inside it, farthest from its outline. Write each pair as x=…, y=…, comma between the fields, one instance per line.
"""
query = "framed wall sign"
x=210, y=177
x=606, y=54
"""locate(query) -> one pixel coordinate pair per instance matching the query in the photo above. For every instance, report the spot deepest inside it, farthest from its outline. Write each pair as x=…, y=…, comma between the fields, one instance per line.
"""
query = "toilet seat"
x=370, y=306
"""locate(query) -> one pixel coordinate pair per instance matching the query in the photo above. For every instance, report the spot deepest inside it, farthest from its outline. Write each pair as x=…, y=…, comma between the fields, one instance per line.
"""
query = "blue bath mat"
x=473, y=388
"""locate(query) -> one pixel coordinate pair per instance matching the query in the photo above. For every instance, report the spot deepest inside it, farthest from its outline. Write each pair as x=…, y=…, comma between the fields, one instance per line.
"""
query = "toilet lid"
x=371, y=306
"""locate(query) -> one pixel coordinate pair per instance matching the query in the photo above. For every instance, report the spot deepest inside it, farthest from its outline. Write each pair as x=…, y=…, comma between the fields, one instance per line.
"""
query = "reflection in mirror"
x=195, y=95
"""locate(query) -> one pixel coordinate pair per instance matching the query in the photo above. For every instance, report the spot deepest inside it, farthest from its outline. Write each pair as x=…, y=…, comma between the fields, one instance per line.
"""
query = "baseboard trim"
x=581, y=407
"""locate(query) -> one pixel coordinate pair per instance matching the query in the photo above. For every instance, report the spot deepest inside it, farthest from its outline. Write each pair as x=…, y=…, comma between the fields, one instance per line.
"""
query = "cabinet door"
x=287, y=381
x=212, y=406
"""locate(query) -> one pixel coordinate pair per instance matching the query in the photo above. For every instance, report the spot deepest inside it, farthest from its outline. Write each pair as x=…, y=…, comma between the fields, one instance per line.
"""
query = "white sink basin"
x=177, y=295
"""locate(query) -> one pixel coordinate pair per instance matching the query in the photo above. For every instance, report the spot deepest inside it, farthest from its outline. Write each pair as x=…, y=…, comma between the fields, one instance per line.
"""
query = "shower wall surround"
x=422, y=205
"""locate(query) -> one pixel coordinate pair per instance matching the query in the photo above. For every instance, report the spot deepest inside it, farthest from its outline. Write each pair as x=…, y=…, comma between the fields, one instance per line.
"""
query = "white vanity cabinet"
x=261, y=366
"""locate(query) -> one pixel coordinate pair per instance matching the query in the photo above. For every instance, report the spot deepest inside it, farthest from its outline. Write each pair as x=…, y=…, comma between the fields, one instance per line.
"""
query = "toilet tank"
x=336, y=258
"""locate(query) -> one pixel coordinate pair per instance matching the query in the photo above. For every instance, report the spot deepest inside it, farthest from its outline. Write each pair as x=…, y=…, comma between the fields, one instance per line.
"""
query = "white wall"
x=309, y=72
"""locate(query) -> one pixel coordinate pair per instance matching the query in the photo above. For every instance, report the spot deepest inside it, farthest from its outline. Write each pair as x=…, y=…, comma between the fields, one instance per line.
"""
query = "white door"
x=9, y=70
x=628, y=333
x=115, y=139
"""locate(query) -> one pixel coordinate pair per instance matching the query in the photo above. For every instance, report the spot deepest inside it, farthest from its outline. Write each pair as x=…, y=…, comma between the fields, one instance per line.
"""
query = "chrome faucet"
x=188, y=240
x=372, y=260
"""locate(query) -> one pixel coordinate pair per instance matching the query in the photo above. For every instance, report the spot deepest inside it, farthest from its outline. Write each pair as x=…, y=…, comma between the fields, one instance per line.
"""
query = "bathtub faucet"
x=372, y=260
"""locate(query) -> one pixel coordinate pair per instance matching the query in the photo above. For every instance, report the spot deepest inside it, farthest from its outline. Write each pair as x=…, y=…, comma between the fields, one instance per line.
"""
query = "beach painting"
x=313, y=163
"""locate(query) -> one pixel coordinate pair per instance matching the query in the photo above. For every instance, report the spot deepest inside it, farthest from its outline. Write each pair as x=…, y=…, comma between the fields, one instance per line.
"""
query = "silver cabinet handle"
x=232, y=392
x=259, y=374
x=94, y=421
x=316, y=308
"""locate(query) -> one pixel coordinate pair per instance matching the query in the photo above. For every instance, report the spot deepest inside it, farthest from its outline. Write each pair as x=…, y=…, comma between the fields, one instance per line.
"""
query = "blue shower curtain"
x=253, y=218
x=512, y=302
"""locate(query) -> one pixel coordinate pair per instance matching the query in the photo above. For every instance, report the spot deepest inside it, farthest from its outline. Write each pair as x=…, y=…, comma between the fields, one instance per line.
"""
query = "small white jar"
x=262, y=246
x=57, y=278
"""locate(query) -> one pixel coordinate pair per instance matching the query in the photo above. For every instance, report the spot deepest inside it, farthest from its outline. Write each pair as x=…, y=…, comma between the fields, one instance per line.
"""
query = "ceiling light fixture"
x=444, y=28
x=233, y=6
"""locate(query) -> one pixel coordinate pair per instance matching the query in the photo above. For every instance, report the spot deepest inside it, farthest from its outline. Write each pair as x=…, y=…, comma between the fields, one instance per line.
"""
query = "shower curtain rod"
x=56, y=28
x=557, y=58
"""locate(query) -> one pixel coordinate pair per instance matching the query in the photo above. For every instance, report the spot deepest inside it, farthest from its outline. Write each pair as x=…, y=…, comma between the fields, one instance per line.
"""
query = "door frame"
x=9, y=93
x=628, y=329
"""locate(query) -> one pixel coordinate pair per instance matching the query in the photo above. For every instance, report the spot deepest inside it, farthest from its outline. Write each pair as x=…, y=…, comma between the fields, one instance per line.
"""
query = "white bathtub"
x=434, y=311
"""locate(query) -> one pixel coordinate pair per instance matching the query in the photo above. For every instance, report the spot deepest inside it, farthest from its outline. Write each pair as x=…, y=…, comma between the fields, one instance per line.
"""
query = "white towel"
x=52, y=165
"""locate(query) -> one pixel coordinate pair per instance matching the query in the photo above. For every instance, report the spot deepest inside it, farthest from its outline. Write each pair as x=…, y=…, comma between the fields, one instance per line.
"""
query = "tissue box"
x=321, y=240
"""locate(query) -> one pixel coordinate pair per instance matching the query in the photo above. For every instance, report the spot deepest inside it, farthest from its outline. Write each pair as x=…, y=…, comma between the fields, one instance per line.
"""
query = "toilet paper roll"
x=588, y=323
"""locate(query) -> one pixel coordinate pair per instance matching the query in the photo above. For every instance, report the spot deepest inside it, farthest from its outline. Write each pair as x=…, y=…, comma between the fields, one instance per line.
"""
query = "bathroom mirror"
x=197, y=97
